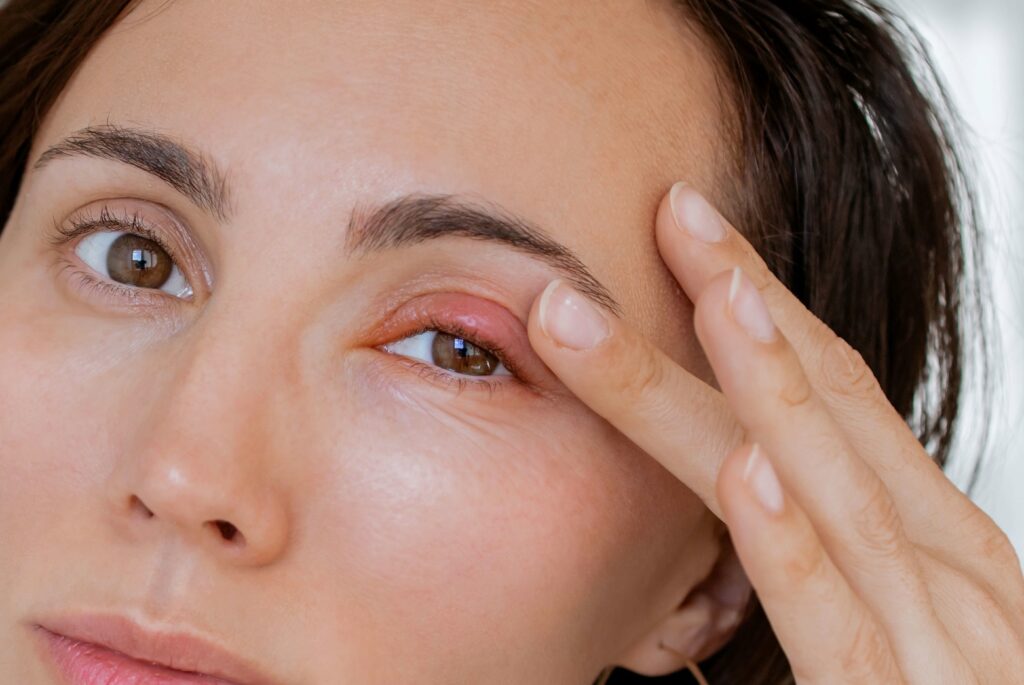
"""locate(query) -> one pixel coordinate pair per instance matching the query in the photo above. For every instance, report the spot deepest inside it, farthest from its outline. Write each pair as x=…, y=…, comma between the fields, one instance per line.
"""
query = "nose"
x=200, y=463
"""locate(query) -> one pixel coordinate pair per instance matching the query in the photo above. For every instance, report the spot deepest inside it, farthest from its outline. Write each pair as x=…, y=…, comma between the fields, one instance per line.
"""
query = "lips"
x=113, y=650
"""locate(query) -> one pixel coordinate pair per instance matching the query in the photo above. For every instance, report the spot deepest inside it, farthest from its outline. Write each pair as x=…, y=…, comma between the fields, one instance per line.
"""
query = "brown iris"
x=461, y=356
x=137, y=261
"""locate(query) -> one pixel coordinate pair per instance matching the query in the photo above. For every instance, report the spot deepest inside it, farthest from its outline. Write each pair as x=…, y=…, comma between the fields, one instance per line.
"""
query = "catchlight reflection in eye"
x=449, y=352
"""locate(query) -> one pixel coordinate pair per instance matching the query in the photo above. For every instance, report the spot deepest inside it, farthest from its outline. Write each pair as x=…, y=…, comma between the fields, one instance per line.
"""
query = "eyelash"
x=81, y=226
x=452, y=380
x=106, y=220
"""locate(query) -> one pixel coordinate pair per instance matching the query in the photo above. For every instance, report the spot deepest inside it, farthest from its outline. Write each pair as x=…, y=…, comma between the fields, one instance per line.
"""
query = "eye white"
x=95, y=248
x=421, y=347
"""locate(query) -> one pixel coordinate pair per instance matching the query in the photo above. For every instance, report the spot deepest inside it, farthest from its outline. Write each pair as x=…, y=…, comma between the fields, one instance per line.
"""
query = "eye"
x=449, y=352
x=133, y=260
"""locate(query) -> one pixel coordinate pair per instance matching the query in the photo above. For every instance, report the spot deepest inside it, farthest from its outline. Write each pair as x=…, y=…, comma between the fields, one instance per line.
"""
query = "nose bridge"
x=200, y=462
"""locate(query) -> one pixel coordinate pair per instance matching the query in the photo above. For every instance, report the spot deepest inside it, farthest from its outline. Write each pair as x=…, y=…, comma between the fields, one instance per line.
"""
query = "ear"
x=702, y=623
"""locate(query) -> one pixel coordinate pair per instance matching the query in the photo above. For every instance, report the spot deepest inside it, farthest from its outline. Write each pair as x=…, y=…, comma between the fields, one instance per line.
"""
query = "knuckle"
x=640, y=372
x=877, y=522
x=996, y=546
x=845, y=372
x=796, y=391
x=992, y=543
x=806, y=562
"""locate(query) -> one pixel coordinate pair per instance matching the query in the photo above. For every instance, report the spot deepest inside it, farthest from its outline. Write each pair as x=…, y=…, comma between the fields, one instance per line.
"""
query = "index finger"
x=675, y=417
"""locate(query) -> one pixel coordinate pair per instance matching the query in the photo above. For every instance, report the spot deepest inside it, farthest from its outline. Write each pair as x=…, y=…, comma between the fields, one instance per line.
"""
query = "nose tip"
x=200, y=457
x=246, y=524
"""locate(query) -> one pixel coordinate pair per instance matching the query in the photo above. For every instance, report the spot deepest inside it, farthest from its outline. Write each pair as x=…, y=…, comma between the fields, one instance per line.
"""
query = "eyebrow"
x=404, y=221
x=415, y=218
x=184, y=169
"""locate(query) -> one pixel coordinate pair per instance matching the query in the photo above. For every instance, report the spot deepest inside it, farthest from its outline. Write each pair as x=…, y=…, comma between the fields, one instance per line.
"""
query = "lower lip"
x=83, y=663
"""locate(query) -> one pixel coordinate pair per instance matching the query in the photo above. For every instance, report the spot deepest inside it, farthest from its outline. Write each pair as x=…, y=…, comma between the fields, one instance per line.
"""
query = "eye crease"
x=451, y=352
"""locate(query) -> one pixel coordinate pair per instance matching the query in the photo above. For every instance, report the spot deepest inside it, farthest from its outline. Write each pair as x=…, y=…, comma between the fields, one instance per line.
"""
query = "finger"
x=672, y=415
x=847, y=503
x=698, y=243
x=827, y=632
x=989, y=631
x=978, y=548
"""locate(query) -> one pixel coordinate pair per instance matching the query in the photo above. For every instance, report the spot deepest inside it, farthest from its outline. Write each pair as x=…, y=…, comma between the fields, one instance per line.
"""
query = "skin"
x=394, y=528
x=482, y=536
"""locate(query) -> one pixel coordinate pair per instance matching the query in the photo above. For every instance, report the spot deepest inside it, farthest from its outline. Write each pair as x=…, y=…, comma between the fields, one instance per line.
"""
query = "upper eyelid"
x=81, y=227
x=173, y=234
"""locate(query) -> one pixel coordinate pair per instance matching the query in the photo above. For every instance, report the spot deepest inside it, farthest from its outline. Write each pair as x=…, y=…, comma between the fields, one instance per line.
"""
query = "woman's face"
x=253, y=433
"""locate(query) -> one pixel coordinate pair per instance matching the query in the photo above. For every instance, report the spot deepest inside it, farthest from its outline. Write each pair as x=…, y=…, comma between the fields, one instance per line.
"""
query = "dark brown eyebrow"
x=407, y=220
x=184, y=169
x=412, y=219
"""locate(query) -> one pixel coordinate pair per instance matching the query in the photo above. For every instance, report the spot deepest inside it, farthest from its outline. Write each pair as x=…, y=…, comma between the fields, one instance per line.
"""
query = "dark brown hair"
x=845, y=177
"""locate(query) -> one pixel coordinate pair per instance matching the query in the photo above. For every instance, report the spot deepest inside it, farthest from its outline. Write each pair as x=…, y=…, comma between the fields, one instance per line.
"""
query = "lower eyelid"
x=95, y=290
x=449, y=380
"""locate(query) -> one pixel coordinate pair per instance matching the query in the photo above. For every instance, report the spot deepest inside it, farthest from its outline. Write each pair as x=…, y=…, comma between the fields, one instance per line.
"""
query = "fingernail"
x=748, y=309
x=760, y=475
x=570, y=319
x=695, y=215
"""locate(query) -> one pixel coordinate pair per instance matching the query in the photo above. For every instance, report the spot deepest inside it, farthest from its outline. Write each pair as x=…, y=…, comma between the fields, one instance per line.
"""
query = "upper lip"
x=177, y=649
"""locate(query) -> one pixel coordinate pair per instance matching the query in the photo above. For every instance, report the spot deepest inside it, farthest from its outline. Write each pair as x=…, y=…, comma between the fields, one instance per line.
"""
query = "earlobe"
x=699, y=626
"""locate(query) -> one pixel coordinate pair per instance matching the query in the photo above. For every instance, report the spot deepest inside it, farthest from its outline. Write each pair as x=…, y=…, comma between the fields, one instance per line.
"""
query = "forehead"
x=576, y=114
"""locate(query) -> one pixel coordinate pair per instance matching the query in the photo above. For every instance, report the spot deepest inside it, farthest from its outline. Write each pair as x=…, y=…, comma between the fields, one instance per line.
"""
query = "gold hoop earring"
x=691, y=666
x=698, y=675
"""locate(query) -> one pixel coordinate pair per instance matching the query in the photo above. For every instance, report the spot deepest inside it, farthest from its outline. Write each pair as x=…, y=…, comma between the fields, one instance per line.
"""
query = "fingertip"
x=668, y=234
x=570, y=319
x=539, y=311
x=535, y=332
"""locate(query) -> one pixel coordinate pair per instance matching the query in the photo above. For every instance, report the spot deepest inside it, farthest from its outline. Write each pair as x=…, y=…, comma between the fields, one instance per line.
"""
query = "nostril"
x=227, y=530
x=137, y=505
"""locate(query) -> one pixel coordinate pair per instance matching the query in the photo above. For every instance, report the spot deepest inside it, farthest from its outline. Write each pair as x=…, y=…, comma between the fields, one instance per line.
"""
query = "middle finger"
x=847, y=503
x=698, y=244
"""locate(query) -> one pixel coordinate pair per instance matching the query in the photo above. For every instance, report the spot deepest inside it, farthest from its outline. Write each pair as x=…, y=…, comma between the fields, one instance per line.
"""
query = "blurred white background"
x=977, y=48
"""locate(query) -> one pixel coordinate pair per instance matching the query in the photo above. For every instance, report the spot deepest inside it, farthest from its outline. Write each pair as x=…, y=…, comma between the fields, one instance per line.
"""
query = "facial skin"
x=393, y=527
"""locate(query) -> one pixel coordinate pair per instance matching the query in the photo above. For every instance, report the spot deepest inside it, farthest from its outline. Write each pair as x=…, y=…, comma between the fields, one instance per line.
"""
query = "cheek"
x=516, y=533
x=50, y=447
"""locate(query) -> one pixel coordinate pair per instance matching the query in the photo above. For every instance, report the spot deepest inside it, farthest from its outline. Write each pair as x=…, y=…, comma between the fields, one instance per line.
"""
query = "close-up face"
x=266, y=374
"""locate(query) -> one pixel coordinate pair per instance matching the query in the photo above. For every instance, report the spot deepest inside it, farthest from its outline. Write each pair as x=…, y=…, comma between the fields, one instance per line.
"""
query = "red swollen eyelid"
x=484, y=322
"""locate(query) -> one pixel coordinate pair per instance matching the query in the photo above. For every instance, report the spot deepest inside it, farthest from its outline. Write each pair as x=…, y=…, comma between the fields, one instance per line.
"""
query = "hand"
x=870, y=564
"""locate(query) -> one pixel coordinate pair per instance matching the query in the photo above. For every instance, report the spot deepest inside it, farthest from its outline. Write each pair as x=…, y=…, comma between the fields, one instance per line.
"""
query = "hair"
x=844, y=175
